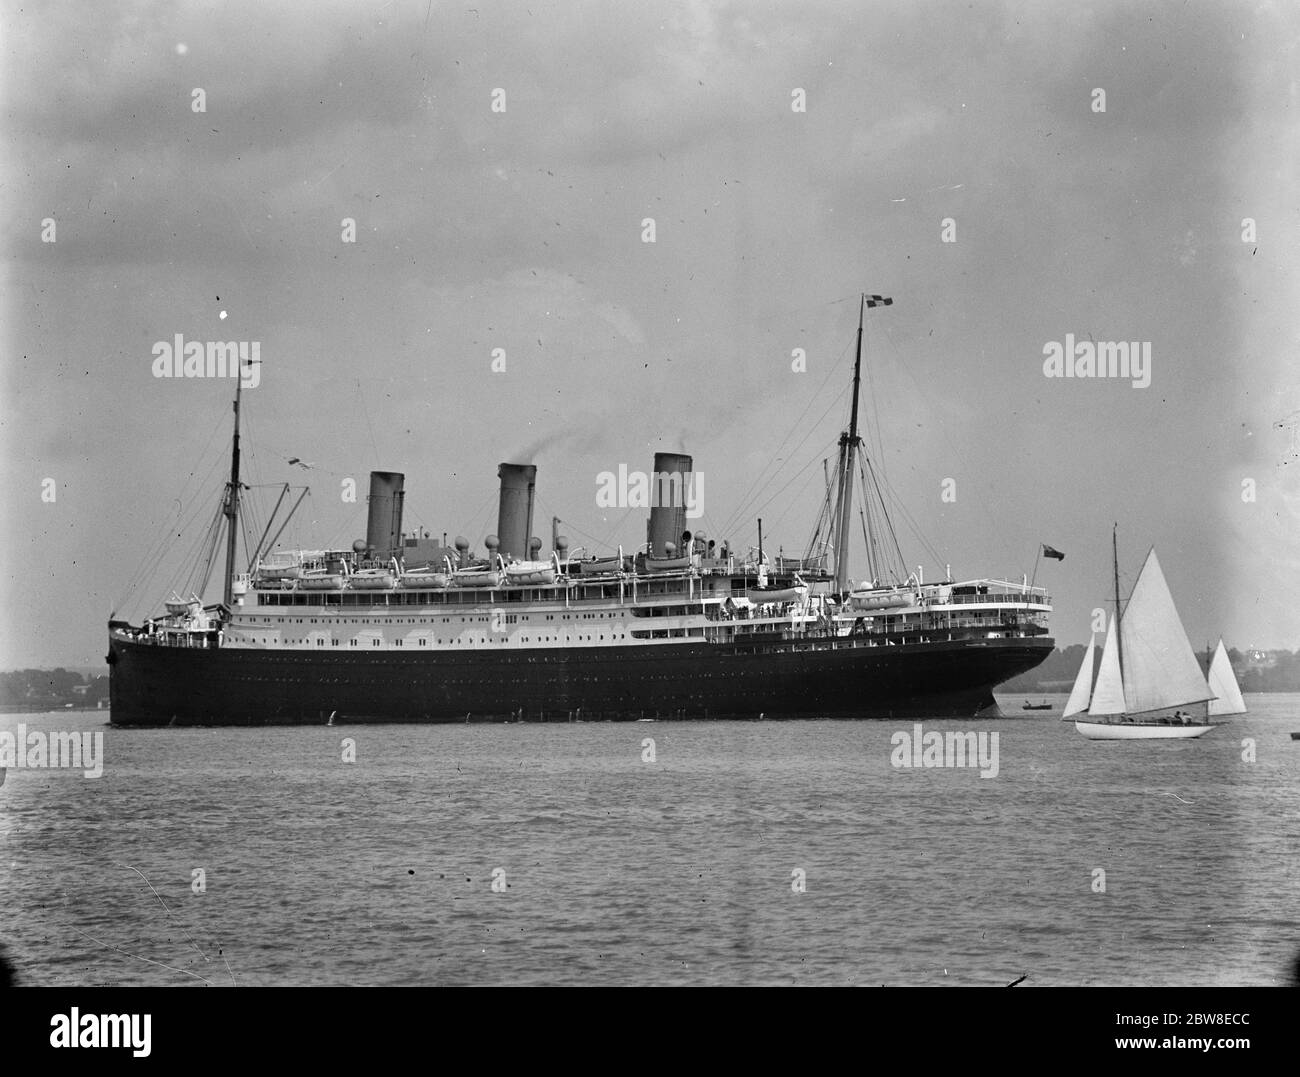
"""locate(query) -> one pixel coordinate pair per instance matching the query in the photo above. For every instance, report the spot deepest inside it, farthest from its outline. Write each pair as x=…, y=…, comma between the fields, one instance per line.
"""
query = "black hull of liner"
x=159, y=686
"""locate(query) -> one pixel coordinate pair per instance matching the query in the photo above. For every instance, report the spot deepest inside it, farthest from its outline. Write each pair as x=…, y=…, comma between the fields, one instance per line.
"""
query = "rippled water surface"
x=616, y=870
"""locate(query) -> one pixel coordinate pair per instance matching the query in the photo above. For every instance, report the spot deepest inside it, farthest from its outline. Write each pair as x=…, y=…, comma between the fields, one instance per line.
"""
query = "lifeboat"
x=667, y=564
x=177, y=606
x=598, y=566
x=881, y=600
x=320, y=580
x=784, y=594
x=476, y=577
x=423, y=577
x=279, y=568
x=371, y=579
x=528, y=573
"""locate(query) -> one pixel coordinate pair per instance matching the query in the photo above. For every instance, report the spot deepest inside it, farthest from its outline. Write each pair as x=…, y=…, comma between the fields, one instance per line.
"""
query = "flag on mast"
x=879, y=301
x=1049, y=552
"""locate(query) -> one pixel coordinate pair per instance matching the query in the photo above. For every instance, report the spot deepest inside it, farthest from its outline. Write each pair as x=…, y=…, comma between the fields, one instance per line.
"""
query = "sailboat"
x=1223, y=683
x=1147, y=669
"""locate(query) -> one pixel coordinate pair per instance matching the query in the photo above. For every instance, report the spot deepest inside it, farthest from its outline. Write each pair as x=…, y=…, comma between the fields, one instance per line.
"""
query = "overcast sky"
x=522, y=230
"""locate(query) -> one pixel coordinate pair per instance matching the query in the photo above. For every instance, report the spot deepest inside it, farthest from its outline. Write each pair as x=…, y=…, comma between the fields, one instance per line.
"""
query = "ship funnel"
x=384, y=523
x=668, y=488
x=515, y=516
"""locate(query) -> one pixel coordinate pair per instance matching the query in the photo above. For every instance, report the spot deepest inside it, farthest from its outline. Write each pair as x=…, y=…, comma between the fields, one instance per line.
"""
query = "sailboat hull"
x=1139, y=731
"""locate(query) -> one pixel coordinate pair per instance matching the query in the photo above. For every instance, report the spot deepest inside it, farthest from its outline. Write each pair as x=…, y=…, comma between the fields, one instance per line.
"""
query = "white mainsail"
x=1224, y=685
x=1108, y=695
x=1160, y=669
x=1082, y=689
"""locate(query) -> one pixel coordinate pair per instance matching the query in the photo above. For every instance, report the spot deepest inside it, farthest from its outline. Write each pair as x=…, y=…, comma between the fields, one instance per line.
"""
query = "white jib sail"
x=1224, y=685
x=1108, y=695
x=1082, y=689
x=1160, y=668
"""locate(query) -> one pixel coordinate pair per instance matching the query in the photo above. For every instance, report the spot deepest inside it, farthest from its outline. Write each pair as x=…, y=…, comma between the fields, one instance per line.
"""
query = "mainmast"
x=848, y=463
x=231, y=510
x=849, y=444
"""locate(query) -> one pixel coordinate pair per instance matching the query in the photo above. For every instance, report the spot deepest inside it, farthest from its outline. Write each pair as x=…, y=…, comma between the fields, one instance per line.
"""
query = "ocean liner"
x=401, y=628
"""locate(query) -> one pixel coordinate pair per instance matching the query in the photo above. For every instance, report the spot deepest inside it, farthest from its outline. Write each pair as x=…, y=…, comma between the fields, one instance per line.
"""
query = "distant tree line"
x=1278, y=671
x=50, y=689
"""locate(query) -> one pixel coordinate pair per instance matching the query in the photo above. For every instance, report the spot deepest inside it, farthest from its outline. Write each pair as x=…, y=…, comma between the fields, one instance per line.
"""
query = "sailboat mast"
x=1119, y=636
x=848, y=467
x=231, y=510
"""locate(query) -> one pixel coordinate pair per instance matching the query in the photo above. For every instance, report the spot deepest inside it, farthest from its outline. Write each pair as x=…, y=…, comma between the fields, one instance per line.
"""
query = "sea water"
x=655, y=853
